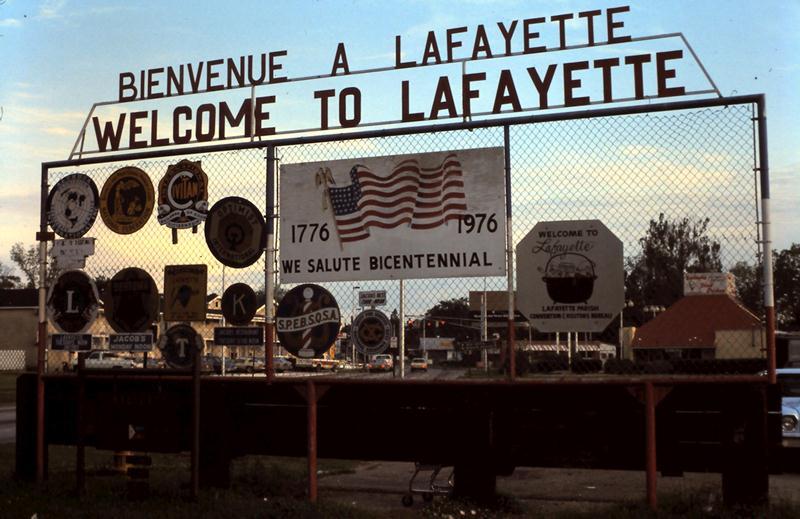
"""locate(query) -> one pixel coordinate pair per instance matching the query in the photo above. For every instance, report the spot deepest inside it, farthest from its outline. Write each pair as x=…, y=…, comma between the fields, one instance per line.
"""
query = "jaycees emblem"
x=183, y=196
x=126, y=202
x=308, y=321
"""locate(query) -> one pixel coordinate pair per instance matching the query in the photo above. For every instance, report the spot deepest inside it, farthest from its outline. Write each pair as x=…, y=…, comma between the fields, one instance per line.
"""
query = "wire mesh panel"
x=678, y=188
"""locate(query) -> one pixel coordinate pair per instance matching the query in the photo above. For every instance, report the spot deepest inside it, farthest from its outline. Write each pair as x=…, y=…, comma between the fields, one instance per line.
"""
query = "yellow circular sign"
x=127, y=200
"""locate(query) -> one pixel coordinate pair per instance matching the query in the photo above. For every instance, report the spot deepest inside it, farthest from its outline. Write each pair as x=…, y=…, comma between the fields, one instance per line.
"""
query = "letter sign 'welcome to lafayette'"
x=533, y=75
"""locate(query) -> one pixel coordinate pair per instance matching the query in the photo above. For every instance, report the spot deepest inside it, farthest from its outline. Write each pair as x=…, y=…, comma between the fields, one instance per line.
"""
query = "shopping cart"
x=434, y=487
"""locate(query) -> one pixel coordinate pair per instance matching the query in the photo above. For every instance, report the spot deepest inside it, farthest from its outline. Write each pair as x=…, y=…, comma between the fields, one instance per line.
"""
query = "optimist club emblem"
x=308, y=321
x=235, y=232
x=126, y=201
x=72, y=206
x=183, y=196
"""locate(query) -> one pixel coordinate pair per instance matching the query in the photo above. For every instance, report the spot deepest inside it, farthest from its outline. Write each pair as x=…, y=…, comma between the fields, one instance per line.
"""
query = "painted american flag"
x=413, y=195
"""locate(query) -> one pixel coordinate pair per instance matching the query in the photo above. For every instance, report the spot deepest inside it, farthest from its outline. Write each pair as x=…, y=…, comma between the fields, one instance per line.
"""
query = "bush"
x=586, y=365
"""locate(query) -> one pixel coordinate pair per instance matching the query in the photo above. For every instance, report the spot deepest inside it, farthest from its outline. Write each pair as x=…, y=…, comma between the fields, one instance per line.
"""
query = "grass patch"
x=262, y=486
x=501, y=506
x=8, y=388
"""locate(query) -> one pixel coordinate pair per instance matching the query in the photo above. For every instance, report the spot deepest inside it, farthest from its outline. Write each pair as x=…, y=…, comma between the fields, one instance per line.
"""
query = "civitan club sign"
x=515, y=66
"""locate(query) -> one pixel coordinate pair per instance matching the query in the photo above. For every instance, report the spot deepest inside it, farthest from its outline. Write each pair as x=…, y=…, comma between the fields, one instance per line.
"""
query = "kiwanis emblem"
x=183, y=197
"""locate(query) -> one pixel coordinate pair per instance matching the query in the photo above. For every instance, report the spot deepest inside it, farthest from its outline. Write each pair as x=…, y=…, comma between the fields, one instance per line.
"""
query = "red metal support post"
x=269, y=261
x=195, y=460
x=650, y=445
x=311, y=399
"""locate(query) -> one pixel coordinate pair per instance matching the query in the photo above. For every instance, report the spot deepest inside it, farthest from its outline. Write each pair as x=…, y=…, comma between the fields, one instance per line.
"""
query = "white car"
x=104, y=359
x=789, y=382
x=381, y=362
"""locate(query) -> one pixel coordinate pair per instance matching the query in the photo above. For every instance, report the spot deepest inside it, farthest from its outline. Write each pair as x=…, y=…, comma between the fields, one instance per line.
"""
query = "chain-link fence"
x=679, y=188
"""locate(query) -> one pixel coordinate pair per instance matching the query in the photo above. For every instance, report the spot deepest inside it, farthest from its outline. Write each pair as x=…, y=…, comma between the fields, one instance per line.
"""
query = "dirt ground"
x=379, y=486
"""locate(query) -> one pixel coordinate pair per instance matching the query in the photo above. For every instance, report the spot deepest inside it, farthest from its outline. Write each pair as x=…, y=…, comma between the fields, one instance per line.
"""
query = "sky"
x=59, y=57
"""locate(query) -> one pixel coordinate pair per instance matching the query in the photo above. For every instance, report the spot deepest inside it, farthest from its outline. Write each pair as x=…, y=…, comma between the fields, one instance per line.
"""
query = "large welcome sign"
x=398, y=217
x=515, y=66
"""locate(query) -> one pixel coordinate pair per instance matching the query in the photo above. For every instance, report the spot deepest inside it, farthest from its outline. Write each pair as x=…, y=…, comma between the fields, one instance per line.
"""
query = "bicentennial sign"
x=72, y=302
x=72, y=206
x=185, y=292
x=307, y=321
x=235, y=232
x=127, y=199
x=570, y=276
x=396, y=217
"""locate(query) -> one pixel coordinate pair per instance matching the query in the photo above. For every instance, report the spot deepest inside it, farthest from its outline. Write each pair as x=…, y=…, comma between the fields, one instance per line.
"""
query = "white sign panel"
x=708, y=283
x=72, y=253
x=570, y=276
x=398, y=217
x=372, y=298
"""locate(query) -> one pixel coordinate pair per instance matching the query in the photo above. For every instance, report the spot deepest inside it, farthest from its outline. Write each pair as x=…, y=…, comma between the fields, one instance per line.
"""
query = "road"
x=8, y=428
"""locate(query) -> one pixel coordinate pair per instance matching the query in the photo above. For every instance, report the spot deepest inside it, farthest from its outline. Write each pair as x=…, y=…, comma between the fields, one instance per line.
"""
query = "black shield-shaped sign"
x=72, y=302
x=307, y=321
x=131, y=301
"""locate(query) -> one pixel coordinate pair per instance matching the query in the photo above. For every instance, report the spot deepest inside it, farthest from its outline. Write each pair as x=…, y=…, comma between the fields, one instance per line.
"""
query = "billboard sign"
x=427, y=215
x=570, y=276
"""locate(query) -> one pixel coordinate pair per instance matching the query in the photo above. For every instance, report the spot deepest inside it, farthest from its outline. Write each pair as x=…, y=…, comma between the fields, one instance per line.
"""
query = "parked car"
x=789, y=381
x=419, y=364
x=282, y=364
x=214, y=363
x=105, y=359
x=382, y=362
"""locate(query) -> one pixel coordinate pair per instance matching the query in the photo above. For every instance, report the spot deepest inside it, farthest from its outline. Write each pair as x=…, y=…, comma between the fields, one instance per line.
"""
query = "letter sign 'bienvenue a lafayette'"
x=398, y=217
x=516, y=66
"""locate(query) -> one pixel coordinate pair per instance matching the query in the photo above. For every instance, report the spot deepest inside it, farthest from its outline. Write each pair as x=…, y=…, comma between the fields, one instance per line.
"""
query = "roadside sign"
x=131, y=301
x=72, y=206
x=130, y=341
x=127, y=199
x=71, y=341
x=239, y=336
x=72, y=253
x=239, y=304
x=372, y=332
x=179, y=345
x=183, y=196
x=235, y=232
x=307, y=321
x=372, y=298
x=185, y=292
x=72, y=302
x=570, y=276
x=426, y=215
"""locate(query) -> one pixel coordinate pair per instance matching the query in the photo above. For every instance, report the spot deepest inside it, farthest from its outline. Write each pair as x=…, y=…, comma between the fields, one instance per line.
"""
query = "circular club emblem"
x=373, y=330
x=179, y=345
x=72, y=206
x=239, y=304
x=126, y=201
x=307, y=320
x=235, y=232
x=183, y=196
x=131, y=301
x=72, y=302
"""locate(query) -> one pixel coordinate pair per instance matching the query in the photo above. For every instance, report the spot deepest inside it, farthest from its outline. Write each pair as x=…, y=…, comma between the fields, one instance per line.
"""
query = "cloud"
x=51, y=9
x=10, y=22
